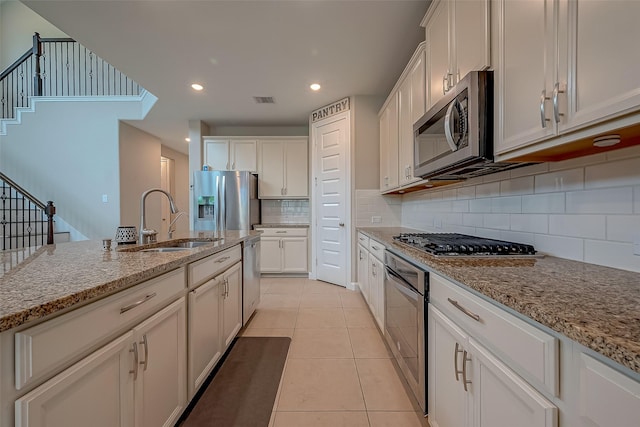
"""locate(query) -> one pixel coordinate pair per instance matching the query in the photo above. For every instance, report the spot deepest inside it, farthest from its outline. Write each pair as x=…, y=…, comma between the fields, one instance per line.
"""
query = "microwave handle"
x=448, y=133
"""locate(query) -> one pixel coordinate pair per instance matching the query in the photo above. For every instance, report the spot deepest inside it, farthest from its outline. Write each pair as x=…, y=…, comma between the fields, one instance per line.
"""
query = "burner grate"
x=453, y=244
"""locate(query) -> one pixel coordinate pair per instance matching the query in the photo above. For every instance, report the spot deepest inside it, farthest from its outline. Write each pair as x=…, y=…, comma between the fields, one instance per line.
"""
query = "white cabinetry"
x=457, y=32
x=556, y=73
x=371, y=275
x=479, y=357
x=389, y=144
x=283, y=250
x=137, y=379
x=284, y=170
x=363, y=272
x=231, y=154
x=215, y=312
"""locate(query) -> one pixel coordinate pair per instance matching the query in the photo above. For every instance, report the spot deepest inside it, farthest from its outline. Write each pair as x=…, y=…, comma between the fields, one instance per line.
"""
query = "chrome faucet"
x=149, y=236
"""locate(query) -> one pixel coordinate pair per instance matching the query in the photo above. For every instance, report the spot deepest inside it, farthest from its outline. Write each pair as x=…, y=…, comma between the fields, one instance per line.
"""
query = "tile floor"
x=338, y=371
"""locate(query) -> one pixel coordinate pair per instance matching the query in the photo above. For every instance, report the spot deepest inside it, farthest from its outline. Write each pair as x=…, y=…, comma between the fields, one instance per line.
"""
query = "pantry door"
x=331, y=183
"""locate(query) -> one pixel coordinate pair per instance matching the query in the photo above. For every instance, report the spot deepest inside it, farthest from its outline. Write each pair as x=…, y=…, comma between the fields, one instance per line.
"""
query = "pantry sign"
x=330, y=110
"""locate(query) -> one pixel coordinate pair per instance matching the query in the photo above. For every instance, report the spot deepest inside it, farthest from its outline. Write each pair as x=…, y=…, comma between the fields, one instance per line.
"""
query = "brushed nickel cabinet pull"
x=464, y=310
x=134, y=371
x=455, y=361
x=137, y=303
x=146, y=351
x=543, y=115
x=556, y=108
x=223, y=259
x=465, y=359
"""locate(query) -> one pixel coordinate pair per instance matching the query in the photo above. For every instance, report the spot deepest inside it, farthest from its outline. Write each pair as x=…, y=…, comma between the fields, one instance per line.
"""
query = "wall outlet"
x=376, y=219
x=437, y=223
x=105, y=198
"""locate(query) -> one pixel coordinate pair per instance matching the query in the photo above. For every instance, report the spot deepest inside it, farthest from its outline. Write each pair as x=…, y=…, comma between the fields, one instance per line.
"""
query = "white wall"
x=181, y=193
x=18, y=23
x=259, y=131
x=586, y=209
x=366, y=141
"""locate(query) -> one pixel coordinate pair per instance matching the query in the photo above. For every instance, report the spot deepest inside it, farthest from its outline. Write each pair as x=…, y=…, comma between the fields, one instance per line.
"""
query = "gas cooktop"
x=453, y=244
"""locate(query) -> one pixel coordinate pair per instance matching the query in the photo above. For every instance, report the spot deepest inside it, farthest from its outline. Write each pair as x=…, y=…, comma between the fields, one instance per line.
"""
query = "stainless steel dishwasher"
x=250, y=277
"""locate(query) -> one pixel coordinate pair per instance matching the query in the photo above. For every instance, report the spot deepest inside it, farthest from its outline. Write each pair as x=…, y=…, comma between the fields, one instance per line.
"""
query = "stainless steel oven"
x=406, y=292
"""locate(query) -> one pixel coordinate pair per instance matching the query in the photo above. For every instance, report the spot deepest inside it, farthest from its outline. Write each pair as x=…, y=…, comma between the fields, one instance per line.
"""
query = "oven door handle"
x=406, y=289
x=448, y=132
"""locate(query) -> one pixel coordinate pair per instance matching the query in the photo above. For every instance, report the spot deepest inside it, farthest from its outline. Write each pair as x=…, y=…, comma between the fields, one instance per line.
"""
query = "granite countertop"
x=598, y=307
x=36, y=283
x=272, y=225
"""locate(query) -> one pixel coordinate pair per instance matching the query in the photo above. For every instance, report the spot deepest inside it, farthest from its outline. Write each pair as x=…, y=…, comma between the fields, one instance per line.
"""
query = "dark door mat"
x=243, y=391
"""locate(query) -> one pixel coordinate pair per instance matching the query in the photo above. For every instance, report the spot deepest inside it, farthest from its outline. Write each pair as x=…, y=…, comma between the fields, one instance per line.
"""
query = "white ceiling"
x=239, y=49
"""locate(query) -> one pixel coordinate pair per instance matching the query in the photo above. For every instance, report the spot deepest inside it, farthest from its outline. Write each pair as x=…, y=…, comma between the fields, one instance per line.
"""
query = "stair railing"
x=25, y=220
x=60, y=67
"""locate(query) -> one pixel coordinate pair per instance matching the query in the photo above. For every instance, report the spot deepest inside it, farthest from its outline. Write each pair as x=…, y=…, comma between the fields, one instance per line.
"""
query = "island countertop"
x=596, y=306
x=38, y=282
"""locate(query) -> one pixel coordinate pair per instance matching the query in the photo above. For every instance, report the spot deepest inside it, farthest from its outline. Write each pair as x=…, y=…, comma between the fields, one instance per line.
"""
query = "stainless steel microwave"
x=454, y=139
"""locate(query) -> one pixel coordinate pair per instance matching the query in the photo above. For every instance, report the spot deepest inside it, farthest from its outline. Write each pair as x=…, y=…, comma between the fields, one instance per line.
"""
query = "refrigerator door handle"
x=222, y=204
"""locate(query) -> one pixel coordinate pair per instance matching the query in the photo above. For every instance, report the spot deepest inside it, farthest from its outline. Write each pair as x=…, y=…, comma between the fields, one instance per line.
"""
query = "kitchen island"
x=111, y=331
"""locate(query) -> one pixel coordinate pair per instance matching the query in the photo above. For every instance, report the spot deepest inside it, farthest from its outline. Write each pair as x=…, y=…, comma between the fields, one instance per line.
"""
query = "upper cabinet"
x=404, y=106
x=284, y=170
x=458, y=36
x=557, y=73
x=231, y=154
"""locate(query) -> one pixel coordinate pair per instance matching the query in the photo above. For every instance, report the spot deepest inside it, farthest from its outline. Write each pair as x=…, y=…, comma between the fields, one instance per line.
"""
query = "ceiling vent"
x=264, y=99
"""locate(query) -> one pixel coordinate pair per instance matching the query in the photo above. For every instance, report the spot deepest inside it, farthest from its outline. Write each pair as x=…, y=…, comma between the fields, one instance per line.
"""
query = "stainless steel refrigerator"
x=225, y=200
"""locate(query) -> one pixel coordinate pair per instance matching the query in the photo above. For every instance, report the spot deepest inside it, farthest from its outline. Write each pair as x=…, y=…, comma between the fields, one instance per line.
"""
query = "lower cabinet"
x=376, y=290
x=363, y=272
x=215, y=317
x=468, y=386
x=140, y=378
x=370, y=258
x=283, y=250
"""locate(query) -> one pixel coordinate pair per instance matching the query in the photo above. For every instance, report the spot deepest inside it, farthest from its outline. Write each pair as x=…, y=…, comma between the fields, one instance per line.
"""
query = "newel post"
x=37, y=77
x=50, y=211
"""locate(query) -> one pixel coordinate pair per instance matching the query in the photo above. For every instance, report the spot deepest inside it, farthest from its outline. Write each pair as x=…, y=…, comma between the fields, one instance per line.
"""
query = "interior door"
x=331, y=139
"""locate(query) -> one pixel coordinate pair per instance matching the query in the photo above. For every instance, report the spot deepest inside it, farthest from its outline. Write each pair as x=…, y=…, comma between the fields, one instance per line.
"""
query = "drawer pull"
x=375, y=248
x=223, y=259
x=281, y=232
x=137, y=303
x=464, y=310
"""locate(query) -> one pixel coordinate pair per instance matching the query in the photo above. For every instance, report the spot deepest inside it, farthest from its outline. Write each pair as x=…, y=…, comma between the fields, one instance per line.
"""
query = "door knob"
x=341, y=224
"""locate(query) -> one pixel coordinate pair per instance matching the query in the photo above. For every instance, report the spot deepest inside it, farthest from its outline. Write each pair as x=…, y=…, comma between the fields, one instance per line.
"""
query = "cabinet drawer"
x=208, y=267
x=283, y=232
x=42, y=349
x=530, y=351
x=363, y=240
x=377, y=249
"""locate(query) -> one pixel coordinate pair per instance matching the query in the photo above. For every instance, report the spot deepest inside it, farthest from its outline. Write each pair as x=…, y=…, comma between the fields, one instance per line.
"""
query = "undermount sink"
x=168, y=249
x=173, y=246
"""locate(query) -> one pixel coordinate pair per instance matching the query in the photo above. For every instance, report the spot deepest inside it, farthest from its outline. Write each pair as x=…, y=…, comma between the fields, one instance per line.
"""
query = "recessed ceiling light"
x=315, y=86
x=606, y=140
x=188, y=139
x=197, y=86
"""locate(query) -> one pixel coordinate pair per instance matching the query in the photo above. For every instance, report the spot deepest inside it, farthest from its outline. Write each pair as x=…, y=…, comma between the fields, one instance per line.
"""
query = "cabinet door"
x=244, y=156
x=271, y=169
x=523, y=73
x=296, y=179
x=448, y=400
x=470, y=36
x=217, y=154
x=205, y=342
x=405, y=135
x=363, y=272
x=97, y=391
x=384, y=150
x=389, y=145
x=232, y=304
x=270, y=255
x=602, y=79
x=437, y=35
x=502, y=398
x=294, y=255
x=161, y=386
x=376, y=293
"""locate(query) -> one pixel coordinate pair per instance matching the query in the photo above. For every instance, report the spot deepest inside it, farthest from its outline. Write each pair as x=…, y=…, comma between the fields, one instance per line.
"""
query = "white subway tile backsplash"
x=488, y=233
x=612, y=254
x=517, y=186
x=488, y=190
x=530, y=170
x=623, y=228
x=578, y=162
x=517, y=237
x=466, y=192
x=460, y=206
x=543, y=203
x=506, y=204
x=497, y=221
x=585, y=226
x=613, y=174
x=537, y=223
x=480, y=205
x=473, y=219
x=563, y=247
x=636, y=200
x=606, y=201
x=566, y=180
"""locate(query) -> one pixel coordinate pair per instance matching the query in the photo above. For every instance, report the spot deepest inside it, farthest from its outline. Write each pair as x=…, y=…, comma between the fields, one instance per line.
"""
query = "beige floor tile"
x=328, y=343
x=396, y=419
x=267, y=332
x=368, y=343
x=321, y=419
x=283, y=286
x=279, y=318
x=327, y=300
x=351, y=299
x=314, y=318
x=318, y=287
x=320, y=385
x=359, y=318
x=382, y=388
x=279, y=301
